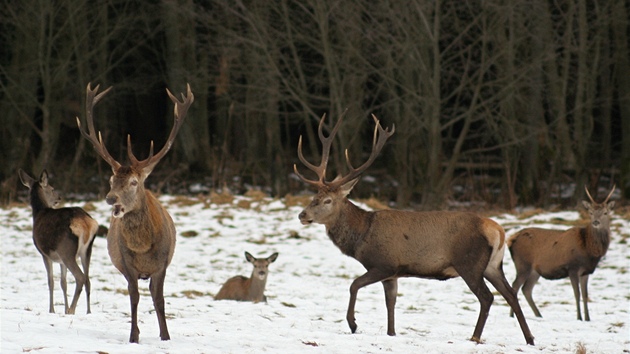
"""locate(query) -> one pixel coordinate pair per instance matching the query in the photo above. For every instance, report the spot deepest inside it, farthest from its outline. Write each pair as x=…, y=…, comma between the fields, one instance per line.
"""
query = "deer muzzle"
x=118, y=211
x=305, y=219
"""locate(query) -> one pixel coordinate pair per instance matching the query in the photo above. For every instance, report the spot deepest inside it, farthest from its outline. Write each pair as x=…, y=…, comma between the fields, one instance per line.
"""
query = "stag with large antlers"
x=391, y=243
x=557, y=254
x=141, y=238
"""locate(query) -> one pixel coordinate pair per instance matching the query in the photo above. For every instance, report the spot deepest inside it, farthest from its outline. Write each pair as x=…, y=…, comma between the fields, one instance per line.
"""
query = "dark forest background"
x=507, y=103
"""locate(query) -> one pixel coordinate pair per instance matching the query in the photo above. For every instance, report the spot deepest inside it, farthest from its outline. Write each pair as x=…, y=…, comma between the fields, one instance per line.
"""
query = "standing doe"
x=141, y=237
x=252, y=289
x=557, y=254
x=391, y=244
x=61, y=235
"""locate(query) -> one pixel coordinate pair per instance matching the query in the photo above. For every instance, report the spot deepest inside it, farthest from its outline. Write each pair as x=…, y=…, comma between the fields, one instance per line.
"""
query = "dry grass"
x=297, y=200
x=374, y=204
x=256, y=195
x=223, y=198
x=580, y=348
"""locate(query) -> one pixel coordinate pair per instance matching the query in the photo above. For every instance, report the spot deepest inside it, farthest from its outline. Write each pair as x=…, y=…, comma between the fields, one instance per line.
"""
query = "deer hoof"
x=476, y=340
x=353, y=326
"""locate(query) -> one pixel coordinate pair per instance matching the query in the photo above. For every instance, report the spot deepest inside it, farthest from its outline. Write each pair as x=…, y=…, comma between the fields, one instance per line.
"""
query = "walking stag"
x=391, y=244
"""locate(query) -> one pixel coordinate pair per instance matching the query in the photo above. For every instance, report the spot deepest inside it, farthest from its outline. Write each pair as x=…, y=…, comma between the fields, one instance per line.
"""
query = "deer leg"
x=573, y=276
x=64, y=286
x=498, y=280
x=85, y=262
x=157, y=293
x=79, y=279
x=527, y=291
x=372, y=276
x=584, y=286
x=134, y=297
x=477, y=285
x=391, y=291
x=516, y=285
x=51, y=283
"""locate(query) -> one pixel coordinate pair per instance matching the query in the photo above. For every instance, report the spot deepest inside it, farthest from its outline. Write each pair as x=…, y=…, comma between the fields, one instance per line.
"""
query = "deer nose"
x=596, y=223
x=302, y=215
x=111, y=200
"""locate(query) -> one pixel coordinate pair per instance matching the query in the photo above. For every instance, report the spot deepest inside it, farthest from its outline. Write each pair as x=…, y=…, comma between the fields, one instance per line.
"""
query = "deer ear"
x=249, y=257
x=25, y=178
x=346, y=188
x=43, y=179
x=586, y=204
x=272, y=258
x=611, y=205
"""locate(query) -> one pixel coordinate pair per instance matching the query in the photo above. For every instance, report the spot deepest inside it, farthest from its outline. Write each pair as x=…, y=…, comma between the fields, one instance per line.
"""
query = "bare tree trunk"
x=620, y=24
x=182, y=68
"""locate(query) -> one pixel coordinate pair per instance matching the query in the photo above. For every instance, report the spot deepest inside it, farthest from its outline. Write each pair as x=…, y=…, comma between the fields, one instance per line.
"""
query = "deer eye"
x=134, y=183
x=327, y=201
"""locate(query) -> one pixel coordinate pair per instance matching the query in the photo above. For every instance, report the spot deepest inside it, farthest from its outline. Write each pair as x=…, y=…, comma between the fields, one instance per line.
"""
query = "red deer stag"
x=252, y=289
x=61, y=236
x=141, y=237
x=557, y=254
x=391, y=243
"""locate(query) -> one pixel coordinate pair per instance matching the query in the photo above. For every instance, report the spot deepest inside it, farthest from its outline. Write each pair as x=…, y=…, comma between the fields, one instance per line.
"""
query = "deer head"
x=127, y=182
x=597, y=212
x=261, y=265
x=331, y=195
x=46, y=192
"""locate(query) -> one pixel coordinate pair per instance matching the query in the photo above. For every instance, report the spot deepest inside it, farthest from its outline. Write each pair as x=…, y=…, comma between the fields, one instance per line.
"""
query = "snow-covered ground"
x=307, y=294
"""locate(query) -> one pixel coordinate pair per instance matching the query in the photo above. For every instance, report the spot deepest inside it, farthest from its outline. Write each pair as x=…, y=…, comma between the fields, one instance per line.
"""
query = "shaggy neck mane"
x=349, y=227
x=140, y=225
x=595, y=240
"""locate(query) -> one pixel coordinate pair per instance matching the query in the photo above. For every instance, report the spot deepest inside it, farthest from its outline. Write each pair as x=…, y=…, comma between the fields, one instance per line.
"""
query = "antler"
x=380, y=137
x=180, y=111
x=91, y=99
x=326, y=143
x=606, y=200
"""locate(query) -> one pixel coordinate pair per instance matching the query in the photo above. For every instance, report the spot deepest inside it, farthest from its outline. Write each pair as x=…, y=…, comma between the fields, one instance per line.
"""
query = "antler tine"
x=91, y=99
x=378, y=141
x=310, y=166
x=589, y=194
x=179, y=112
x=610, y=194
x=326, y=144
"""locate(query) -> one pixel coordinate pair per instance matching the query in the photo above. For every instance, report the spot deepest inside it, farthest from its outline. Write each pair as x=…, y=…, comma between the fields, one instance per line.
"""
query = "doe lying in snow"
x=248, y=289
x=61, y=235
x=557, y=254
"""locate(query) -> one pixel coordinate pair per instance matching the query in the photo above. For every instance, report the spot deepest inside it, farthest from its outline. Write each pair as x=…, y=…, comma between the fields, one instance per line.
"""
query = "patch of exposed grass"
x=89, y=207
x=182, y=200
x=260, y=241
x=374, y=203
x=256, y=195
x=189, y=233
x=223, y=198
x=297, y=200
x=580, y=348
x=530, y=213
x=244, y=204
x=191, y=294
